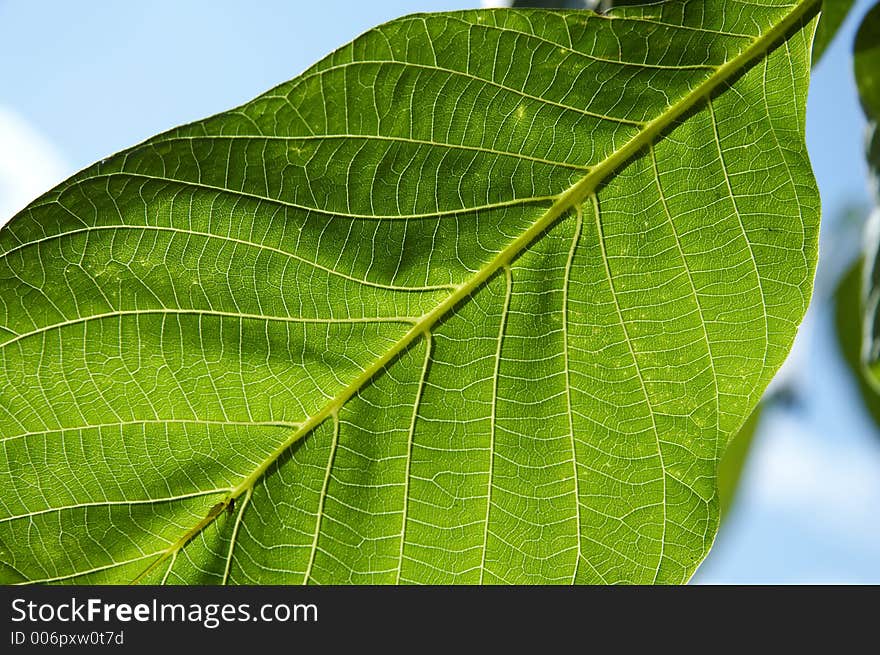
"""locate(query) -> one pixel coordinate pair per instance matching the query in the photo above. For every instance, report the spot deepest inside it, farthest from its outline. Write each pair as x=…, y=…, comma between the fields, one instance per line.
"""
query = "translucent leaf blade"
x=480, y=297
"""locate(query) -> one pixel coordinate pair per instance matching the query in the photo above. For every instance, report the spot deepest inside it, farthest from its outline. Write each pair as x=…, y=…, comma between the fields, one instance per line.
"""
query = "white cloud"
x=29, y=164
x=834, y=487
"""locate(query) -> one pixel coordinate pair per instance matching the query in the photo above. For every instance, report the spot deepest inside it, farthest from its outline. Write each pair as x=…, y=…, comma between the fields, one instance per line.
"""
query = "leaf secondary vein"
x=317, y=210
x=565, y=291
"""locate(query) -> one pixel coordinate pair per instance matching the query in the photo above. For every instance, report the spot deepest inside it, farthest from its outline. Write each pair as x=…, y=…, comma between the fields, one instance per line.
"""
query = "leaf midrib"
x=573, y=196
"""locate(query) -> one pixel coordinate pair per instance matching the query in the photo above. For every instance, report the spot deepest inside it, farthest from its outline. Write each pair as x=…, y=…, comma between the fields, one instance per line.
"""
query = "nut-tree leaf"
x=866, y=59
x=866, y=64
x=848, y=325
x=834, y=12
x=480, y=297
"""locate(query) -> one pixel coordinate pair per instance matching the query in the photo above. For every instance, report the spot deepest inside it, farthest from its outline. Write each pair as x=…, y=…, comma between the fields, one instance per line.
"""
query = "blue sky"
x=83, y=80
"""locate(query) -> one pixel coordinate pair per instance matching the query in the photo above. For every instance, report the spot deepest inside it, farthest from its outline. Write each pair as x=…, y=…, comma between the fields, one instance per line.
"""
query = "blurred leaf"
x=834, y=12
x=732, y=464
x=866, y=65
x=847, y=321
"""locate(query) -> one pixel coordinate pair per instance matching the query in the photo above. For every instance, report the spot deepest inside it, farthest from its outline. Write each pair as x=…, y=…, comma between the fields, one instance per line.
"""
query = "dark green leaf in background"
x=866, y=63
x=866, y=66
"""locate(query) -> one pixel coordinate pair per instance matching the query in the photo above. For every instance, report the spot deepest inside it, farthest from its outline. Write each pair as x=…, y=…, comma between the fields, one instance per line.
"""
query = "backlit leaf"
x=866, y=63
x=478, y=298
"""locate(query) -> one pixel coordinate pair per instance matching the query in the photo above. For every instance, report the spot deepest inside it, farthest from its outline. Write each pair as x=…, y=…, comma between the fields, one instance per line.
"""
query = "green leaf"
x=834, y=12
x=847, y=320
x=866, y=64
x=480, y=297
